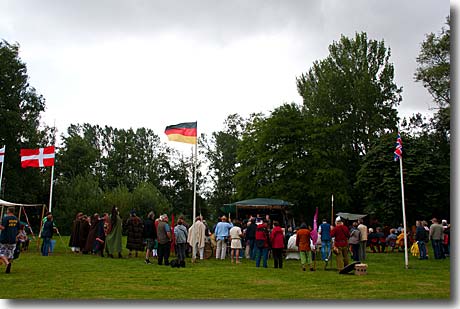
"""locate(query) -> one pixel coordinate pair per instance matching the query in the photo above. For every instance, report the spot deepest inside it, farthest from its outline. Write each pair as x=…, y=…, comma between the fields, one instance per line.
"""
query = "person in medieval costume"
x=135, y=231
x=99, y=241
x=91, y=234
x=113, y=238
x=74, y=241
x=197, y=238
x=85, y=224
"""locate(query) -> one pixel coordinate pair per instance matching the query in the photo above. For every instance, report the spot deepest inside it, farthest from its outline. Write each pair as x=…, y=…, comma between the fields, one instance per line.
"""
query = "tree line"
x=338, y=141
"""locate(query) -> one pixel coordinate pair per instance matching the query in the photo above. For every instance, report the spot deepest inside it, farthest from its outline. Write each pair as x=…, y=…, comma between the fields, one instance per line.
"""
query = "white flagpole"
x=332, y=209
x=194, y=180
x=52, y=168
x=51, y=187
x=406, y=258
x=1, y=172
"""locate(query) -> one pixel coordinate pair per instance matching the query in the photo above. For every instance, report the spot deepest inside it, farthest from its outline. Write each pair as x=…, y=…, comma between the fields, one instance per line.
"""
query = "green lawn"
x=65, y=275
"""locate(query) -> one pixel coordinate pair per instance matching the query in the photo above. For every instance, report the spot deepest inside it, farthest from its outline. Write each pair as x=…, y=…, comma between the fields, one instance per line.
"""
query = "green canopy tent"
x=277, y=209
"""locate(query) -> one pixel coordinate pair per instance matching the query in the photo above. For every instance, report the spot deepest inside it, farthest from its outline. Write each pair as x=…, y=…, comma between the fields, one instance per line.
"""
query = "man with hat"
x=436, y=237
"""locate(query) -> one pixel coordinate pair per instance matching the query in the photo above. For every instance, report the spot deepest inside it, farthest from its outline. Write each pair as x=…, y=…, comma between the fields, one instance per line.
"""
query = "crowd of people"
x=255, y=238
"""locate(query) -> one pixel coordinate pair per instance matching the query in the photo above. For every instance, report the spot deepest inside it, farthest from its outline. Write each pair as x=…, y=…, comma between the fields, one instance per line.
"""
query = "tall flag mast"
x=398, y=156
x=2, y=161
x=186, y=133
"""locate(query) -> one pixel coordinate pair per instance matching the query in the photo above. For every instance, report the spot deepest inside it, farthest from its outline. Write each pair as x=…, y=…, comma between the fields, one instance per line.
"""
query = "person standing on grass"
x=436, y=237
x=325, y=232
x=354, y=241
x=197, y=238
x=251, y=237
x=235, y=242
x=222, y=233
x=181, y=234
x=340, y=233
x=85, y=226
x=9, y=228
x=303, y=243
x=99, y=240
x=150, y=235
x=135, y=232
x=164, y=240
x=446, y=238
x=421, y=236
x=363, y=240
x=47, y=234
x=262, y=245
x=74, y=241
x=113, y=238
x=277, y=242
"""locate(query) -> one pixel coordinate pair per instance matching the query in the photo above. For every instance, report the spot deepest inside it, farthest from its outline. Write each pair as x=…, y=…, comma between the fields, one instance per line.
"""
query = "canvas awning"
x=261, y=203
x=349, y=216
x=7, y=204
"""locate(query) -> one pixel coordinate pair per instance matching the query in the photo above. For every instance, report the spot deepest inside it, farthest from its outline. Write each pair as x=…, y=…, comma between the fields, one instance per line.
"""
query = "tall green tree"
x=434, y=65
x=351, y=98
x=221, y=153
x=20, y=109
x=353, y=88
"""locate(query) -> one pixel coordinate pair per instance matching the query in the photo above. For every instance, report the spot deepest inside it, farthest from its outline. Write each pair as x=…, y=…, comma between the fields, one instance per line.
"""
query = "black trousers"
x=278, y=257
x=163, y=253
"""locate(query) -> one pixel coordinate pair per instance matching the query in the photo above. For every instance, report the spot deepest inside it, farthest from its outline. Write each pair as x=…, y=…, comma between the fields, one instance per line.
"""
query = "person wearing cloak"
x=83, y=233
x=74, y=241
x=113, y=238
x=135, y=231
x=197, y=238
x=89, y=245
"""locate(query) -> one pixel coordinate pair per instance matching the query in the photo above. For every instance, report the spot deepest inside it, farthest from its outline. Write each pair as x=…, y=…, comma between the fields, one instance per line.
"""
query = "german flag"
x=182, y=132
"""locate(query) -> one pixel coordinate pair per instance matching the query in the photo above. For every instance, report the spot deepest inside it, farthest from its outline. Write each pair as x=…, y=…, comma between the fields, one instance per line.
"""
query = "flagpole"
x=194, y=180
x=1, y=172
x=51, y=187
x=406, y=258
x=332, y=209
x=52, y=168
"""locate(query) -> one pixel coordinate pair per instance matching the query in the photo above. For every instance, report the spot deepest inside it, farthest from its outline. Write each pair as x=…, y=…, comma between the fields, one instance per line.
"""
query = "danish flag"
x=40, y=157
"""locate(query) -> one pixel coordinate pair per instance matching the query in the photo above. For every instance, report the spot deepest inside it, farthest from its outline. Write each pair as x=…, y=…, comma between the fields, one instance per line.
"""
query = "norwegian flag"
x=40, y=157
x=398, y=150
x=2, y=154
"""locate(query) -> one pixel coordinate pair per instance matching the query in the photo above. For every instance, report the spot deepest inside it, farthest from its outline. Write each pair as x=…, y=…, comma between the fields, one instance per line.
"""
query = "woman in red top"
x=277, y=241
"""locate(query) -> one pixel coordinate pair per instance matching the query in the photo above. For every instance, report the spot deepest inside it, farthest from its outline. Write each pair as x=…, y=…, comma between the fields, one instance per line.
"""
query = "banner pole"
x=332, y=209
x=406, y=258
x=51, y=187
x=194, y=181
x=1, y=173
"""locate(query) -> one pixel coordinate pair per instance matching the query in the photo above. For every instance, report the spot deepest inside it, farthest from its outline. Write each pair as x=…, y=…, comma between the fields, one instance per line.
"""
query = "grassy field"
x=65, y=275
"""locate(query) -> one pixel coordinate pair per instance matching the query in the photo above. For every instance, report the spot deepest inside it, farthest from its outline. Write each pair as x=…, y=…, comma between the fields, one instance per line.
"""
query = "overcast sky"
x=146, y=63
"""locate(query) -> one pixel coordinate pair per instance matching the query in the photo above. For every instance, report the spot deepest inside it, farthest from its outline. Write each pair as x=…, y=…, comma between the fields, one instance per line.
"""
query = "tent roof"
x=349, y=216
x=5, y=203
x=260, y=202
